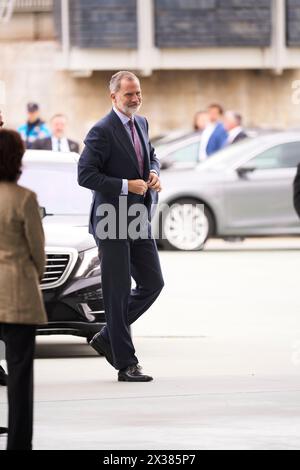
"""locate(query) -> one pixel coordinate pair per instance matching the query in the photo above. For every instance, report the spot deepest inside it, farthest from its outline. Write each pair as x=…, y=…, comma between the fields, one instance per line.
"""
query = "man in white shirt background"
x=58, y=142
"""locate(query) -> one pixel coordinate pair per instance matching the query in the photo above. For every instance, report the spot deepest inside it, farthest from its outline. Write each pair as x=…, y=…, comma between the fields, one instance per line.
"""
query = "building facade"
x=244, y=54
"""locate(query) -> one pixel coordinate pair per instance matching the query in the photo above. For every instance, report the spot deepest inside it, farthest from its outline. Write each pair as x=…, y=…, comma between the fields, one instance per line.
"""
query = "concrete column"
x=279, y=35
x=65, y=31
x=146, y=32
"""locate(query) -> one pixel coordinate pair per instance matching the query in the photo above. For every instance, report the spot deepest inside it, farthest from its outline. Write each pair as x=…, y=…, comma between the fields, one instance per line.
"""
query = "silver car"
x=178, y=150
x=246, y=190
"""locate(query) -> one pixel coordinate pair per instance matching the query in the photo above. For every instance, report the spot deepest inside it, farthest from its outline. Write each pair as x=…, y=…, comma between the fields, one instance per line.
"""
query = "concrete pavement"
x=223, y=343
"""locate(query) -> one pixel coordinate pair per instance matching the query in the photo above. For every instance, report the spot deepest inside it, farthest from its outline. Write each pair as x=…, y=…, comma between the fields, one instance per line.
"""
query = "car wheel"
x=186, y=226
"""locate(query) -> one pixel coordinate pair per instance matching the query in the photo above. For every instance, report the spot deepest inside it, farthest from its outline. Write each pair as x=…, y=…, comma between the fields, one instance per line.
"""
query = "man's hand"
x=137, y=187
x=154, y=182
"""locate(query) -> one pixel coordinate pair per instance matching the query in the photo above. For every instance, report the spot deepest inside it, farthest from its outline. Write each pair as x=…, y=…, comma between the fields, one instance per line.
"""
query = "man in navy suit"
x=119, y=165
x=214, y=136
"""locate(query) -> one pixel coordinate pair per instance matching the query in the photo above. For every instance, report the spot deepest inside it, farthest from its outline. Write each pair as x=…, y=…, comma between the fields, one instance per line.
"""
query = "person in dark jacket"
x=58, y=142
x=233, y=125
x=22, y=263
x=120, y=166
x=35, y=128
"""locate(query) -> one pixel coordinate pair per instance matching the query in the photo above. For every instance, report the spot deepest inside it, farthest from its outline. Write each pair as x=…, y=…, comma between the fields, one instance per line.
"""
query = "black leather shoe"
x=3, y=377
x=3, y=430
x=102, y=347
x=133, y=374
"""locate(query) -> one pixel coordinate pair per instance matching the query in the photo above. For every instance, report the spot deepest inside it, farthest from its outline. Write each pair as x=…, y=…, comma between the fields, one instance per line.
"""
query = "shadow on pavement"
x=49, y=351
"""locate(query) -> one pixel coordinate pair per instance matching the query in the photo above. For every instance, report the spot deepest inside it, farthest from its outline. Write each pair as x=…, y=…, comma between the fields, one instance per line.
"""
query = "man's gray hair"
x=115, y=81
x=237, y=117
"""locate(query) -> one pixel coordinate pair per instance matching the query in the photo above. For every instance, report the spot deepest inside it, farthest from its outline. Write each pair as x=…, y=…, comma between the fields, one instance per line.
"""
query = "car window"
x=281, y=156
x=188, y=153
x=230, y=155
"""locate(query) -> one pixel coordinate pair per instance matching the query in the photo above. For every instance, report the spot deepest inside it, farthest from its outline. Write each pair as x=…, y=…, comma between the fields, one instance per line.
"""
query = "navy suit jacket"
x=217, y=139
x=241, y=136
x=108, y=158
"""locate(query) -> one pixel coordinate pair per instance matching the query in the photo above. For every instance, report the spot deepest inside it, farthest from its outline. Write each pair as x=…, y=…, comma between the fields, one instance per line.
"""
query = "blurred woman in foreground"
x=22, y=263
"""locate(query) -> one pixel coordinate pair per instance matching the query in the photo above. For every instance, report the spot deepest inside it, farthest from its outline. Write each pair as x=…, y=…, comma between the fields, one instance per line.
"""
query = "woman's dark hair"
x=11, y=153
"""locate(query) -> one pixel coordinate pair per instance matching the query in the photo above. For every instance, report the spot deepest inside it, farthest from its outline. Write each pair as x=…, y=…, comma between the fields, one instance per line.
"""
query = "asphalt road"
x=223, y=343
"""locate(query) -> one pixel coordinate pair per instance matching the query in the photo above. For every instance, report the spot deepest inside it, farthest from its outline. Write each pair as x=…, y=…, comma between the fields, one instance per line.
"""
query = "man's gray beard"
x=131, y=110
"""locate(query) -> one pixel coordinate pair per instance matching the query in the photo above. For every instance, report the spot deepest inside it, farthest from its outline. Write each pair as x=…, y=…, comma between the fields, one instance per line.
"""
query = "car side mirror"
x=165, y=163
x=244, y=170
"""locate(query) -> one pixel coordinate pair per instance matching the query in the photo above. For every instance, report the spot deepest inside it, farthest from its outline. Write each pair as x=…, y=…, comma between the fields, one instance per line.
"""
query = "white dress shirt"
x=205, y=136
x=60, y=145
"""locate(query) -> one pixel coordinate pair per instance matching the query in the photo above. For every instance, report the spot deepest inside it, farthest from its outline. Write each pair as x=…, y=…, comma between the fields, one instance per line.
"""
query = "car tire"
x=172, y=221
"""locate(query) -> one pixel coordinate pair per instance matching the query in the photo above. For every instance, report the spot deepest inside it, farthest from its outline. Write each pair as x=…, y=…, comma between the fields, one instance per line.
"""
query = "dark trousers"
x=2, y=373
x=121, y=260
x=20, y=347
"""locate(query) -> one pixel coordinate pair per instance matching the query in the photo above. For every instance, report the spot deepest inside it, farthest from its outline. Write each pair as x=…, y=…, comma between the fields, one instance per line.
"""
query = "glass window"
x=188, y=153
x=230, y=155
x=281, y=156
x=56, y=188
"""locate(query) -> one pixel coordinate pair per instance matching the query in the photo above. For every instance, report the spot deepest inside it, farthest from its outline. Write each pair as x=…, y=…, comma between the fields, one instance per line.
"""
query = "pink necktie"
x=137, y=146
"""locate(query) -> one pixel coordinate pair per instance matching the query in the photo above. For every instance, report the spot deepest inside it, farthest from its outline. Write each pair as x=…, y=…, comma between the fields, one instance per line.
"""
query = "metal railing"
x=33, y=5
x=60, y=263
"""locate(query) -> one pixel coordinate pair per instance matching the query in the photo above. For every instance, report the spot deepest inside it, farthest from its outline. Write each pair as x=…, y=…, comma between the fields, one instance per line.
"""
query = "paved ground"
x=223, y=343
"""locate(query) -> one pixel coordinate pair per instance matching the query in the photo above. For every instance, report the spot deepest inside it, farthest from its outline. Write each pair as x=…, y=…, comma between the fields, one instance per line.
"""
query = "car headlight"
x=90, y=264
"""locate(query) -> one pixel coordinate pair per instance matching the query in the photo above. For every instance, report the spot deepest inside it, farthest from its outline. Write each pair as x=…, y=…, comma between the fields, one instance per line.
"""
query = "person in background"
x=214, y=135
x=200, y=121
x=22, y=263
x=35, y=128
x=58, y=142
x=233, y=125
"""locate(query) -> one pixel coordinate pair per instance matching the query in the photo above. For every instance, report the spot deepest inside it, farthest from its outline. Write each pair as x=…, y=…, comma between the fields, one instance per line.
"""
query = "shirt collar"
x=56, y=138
x=125, y=119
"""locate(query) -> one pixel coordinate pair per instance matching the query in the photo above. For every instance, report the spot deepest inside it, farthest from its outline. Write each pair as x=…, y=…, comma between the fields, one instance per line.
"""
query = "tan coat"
x=22, y=256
